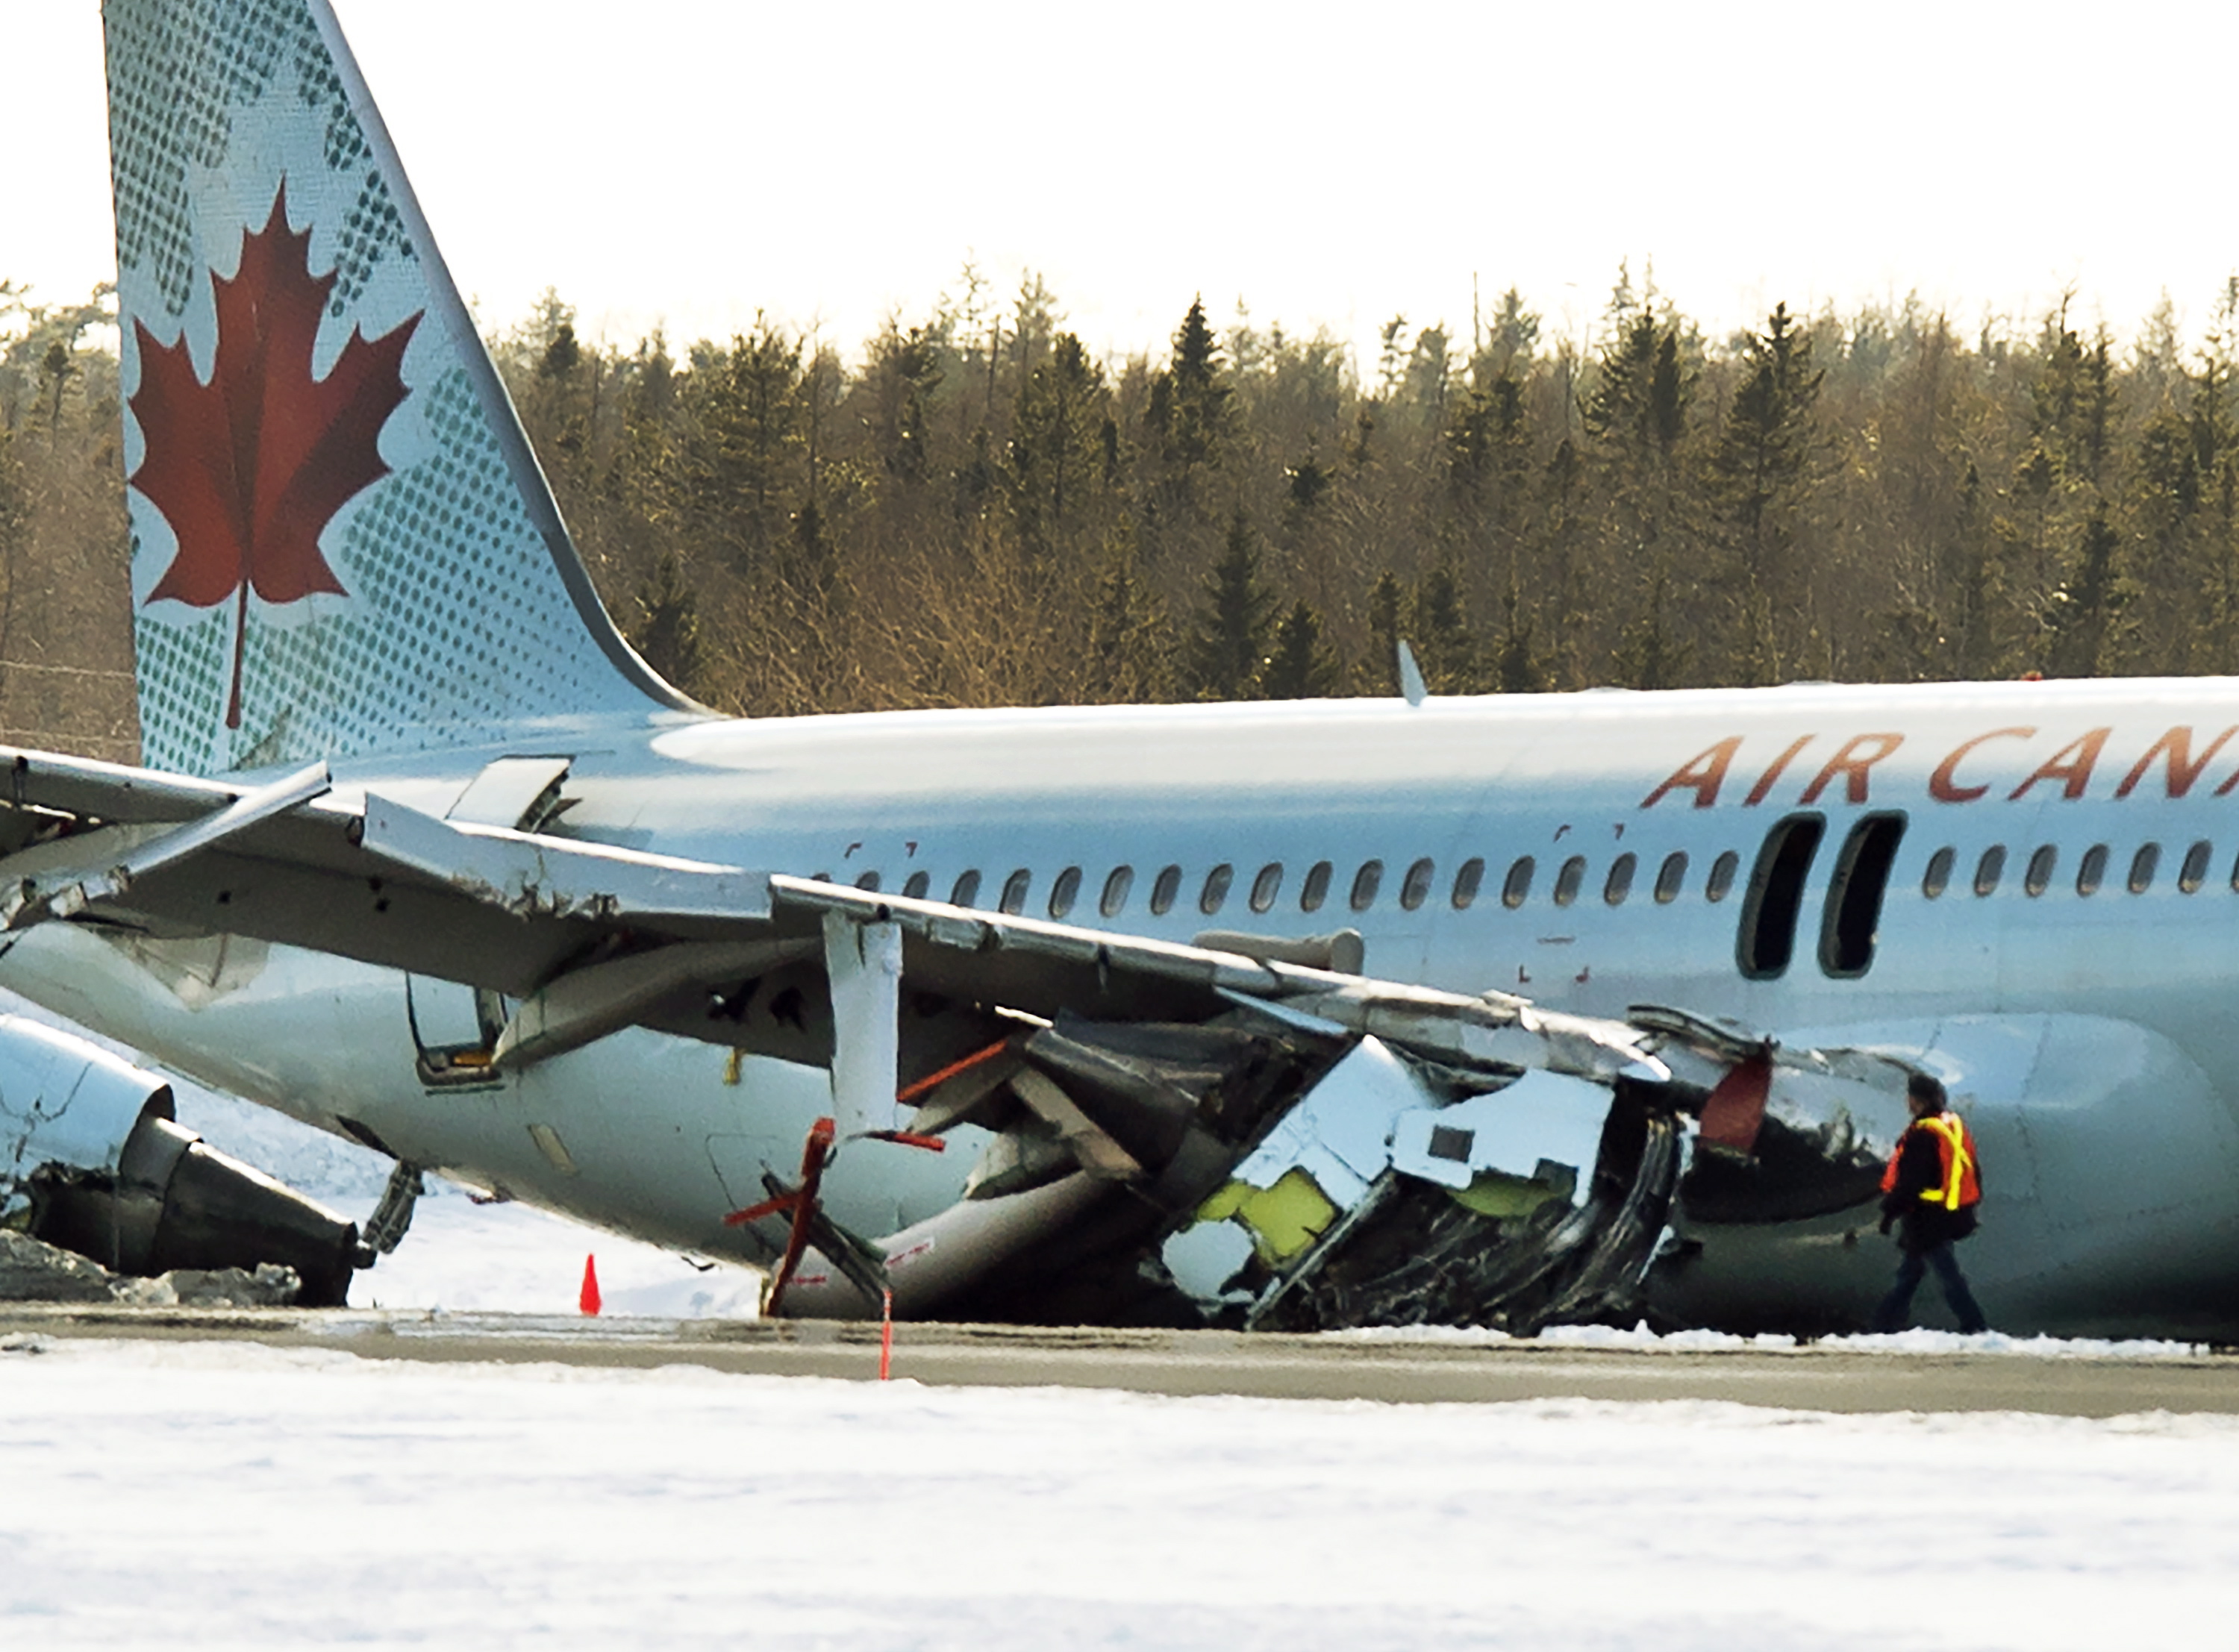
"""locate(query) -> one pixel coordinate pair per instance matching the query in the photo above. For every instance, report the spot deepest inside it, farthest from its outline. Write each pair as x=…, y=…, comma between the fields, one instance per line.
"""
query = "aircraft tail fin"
x=342, y=543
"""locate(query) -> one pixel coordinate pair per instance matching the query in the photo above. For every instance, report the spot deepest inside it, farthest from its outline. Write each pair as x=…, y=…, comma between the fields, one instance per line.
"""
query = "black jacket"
x=1925, y=1223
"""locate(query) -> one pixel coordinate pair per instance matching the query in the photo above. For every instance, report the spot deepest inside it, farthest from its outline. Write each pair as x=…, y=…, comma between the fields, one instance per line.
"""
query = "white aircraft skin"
x=1495, y=778
x=2083, y=1033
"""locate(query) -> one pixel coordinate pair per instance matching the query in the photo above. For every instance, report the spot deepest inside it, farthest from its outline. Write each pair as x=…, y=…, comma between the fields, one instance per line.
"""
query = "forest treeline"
x=975, y=509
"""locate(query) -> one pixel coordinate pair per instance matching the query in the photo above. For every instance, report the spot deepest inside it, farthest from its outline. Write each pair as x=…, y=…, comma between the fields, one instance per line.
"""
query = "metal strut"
x=385, y=1228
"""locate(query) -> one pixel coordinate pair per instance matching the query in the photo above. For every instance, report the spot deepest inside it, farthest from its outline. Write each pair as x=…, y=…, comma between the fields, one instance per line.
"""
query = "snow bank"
x=260, y=1497
x=1908, y=1341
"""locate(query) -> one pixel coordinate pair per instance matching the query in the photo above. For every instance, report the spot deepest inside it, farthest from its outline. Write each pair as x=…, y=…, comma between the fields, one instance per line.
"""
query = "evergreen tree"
x=1300, y=667
x=1229, y=646
x=1649, y=654
x=563, y=355
x=1190, y=402
x=1057, y=440
x=1516, y=666
x=2216, y=462
x=668, y=632
x=1128, y=652
x=1508, y=342
x=1640, y=393
x=2086, y=610
x=1444, y=645
x=1761, y=470
x=1387, y=604
x=1430, y=375
x=904, y=375
x=743, y=446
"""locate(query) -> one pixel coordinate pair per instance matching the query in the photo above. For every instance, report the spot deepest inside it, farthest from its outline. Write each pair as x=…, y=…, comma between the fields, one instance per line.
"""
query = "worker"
x=1932, y=1185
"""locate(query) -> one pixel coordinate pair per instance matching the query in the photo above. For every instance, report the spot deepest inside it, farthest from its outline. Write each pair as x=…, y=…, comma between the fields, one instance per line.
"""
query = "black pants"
x=1896, y=1311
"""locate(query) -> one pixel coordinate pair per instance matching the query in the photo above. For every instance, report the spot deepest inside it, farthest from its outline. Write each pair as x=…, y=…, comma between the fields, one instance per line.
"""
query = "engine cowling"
x=93, y=1159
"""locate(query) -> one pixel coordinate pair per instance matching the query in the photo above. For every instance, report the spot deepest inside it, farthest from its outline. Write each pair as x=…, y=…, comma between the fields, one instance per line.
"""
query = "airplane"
x=1497, y=1011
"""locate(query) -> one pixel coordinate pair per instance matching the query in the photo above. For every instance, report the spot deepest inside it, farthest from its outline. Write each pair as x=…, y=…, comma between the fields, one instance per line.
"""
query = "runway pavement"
x=1809, y=1378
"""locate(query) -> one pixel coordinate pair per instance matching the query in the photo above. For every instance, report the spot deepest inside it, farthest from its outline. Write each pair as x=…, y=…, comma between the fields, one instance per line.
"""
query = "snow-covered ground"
x=213, y=1494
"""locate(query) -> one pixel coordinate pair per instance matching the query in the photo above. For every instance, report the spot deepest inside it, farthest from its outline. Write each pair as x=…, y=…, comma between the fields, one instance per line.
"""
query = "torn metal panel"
x=1543, y=1118
x=1084, y=1138
x=1818, y=1147
x=514, y=792
x=1129, y=1100
x=1341, y=1132
x=1717, y=1035
x=1287, y=1016
x=66, y=890
x=1206, y=1259
x=863, y=963
x=1414, y=1253
x=969, y=1094
x=532, y=875
x=1028, y=1154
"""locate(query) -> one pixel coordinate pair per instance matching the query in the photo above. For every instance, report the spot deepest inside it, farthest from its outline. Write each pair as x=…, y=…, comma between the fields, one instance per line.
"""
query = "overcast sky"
x=692, y=162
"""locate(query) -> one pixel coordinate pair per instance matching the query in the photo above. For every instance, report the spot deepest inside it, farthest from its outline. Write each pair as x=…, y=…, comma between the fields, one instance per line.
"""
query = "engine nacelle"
x=92, y=1160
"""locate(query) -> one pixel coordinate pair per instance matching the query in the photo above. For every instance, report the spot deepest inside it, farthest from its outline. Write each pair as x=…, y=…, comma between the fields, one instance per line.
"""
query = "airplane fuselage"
x=1653, y=828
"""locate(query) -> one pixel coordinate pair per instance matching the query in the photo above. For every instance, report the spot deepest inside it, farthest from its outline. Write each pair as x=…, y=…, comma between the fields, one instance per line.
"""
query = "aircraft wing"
x=1296, y=1146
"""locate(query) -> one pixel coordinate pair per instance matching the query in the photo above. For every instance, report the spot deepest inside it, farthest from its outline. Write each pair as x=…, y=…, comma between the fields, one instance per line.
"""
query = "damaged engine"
x=93, y=1162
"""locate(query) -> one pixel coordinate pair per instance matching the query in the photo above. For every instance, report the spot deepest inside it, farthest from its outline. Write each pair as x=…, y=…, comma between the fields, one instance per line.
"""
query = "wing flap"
x=82, y=787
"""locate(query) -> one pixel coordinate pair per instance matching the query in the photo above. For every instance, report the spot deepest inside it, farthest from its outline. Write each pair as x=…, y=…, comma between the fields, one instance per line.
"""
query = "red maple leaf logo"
x=250, y=467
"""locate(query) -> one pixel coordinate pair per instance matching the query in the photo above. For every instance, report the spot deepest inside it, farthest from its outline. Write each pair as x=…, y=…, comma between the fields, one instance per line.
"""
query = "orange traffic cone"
x=589, y=1302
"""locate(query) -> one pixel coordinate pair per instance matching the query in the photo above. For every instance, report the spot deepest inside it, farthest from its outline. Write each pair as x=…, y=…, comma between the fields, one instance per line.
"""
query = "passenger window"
x=1766, y=938
x=2144, y=865
x=1989, y=869
x=1518, y=889
x=1266, y=885
x=1014, y=891
x=1670, y=877
x=1416, y=888
x=2039, y=875
x=1854, y=898
x=2194, y=870
x=1467, y=882
x=1365, y=883
x=967, y=890
x=1215, y=892
x=1163, y=891
x=868, y=883
x=1567, y=880
x=1619, y=882
x=1315, y=888
x=2091, y=872
x=918, y=882
x=1114, y=899
x=1938, y=878
x=1720, y=883
x=1065, y=892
